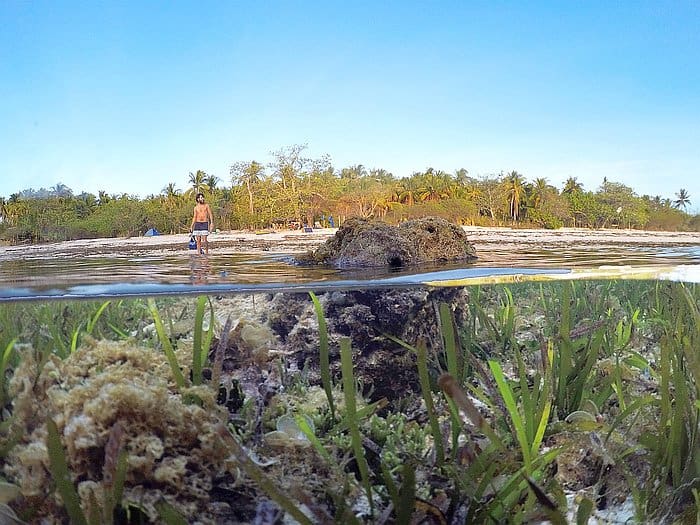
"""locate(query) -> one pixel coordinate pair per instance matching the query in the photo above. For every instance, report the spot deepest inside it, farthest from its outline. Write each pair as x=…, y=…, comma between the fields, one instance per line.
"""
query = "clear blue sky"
x=129, y=96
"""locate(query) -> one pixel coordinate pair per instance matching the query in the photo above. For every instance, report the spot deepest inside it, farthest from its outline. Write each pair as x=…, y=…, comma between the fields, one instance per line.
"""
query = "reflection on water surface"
x=182, y=272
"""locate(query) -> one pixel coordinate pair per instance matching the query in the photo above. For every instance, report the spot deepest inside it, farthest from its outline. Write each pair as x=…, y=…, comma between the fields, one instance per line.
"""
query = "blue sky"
x=127, y=97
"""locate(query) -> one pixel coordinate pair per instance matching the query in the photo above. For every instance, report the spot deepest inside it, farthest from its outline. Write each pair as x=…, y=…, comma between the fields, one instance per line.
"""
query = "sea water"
x=149, y=272
x=503, y=303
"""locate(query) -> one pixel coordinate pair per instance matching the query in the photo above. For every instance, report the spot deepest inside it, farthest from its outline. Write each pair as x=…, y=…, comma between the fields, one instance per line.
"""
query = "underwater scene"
x=471, y=394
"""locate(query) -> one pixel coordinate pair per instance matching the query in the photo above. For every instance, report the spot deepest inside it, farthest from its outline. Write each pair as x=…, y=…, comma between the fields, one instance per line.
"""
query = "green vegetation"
x=296, y=190
x=553, y=401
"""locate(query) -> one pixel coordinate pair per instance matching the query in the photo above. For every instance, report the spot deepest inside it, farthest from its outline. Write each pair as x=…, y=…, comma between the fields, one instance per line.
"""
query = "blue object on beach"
x=193, y=243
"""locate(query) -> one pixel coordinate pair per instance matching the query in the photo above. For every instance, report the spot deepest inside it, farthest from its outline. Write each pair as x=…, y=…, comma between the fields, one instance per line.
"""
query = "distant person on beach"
x=202, y=223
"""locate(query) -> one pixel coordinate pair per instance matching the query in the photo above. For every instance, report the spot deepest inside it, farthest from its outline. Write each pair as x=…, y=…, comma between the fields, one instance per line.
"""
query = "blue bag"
x=193, y=243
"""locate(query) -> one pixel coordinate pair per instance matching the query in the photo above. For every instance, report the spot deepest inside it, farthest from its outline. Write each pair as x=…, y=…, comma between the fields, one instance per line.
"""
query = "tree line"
x=294, y=190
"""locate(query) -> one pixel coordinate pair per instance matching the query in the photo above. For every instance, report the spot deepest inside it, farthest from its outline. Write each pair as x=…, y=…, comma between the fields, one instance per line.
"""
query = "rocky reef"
x=361, y=243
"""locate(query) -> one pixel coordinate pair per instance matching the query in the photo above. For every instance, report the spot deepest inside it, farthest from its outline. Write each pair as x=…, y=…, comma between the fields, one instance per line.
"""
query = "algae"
x=362, y=243
x=175, y=450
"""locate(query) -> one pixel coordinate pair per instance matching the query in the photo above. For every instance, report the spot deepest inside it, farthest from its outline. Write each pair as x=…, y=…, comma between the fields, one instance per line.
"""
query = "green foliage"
x=167, y=345
x=544, y=219
x=675, y=444
x=406, y=499
x=5, y=360
x=531, y=417
x=423, y=375
x=201, y=342
x=324, y=358
x=61, y=475
x=169, y=514
x=301, y=190
x=351, y=417
x=562, y=358
x=55, y=327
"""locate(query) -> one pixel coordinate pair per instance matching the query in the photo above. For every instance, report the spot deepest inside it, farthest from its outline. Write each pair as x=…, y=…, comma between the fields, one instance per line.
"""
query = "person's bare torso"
x=201, y=212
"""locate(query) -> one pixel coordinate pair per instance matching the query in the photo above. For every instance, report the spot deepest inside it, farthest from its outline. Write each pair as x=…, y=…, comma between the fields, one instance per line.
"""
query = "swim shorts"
x=201, y=228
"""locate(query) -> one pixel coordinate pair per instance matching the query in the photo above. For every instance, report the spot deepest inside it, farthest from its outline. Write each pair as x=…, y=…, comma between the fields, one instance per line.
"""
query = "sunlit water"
x=143, y=272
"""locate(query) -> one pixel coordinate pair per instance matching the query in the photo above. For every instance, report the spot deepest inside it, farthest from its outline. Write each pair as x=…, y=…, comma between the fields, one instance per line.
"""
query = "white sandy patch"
x=295, y=241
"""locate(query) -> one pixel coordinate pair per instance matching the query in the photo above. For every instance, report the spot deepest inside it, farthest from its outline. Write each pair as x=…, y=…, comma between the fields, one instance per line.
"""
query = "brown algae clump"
x=361, y=243
x=175, y=449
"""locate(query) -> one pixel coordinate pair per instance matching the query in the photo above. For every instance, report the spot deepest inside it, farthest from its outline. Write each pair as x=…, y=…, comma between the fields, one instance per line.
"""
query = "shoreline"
x=296, y=241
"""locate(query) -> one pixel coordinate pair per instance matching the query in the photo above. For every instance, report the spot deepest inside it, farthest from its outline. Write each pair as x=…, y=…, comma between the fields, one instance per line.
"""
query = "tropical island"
x=292, y=191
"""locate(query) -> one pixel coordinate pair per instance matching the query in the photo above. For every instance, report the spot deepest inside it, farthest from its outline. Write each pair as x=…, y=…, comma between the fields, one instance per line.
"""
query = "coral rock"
x=361, y=243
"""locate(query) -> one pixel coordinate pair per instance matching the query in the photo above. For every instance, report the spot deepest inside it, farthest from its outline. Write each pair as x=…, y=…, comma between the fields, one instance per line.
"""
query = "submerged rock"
x=360, y=243
x=370, y=318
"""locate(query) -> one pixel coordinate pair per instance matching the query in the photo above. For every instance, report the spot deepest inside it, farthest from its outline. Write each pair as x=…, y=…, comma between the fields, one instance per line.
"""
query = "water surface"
x=142, y=271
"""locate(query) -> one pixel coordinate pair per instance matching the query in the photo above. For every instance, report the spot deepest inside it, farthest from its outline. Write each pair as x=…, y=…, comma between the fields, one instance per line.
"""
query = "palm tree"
x=170, y=191
x=353, y=172
x=538, y=192
x=197, y=180
x=435, y=185
x=572, y=185
x=682, y=199
x=461, y=176
x=383, y=176
x=515, y=191
x=211, y=181
x=408, y=190
x=85, y=204
x=15, y=208
x=103, y=198
x=61, y=190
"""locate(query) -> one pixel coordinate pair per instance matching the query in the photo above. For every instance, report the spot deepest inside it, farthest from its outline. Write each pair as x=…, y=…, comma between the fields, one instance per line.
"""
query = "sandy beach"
x=298, y=241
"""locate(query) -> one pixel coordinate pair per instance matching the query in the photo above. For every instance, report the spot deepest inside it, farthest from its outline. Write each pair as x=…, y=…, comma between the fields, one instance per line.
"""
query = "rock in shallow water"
x=360, y=243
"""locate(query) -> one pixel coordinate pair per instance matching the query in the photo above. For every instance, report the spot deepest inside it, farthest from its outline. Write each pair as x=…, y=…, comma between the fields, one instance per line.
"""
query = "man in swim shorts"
x=202, y=223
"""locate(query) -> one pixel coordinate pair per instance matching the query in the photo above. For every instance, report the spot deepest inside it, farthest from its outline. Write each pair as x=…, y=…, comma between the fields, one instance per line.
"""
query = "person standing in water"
x=202, y=223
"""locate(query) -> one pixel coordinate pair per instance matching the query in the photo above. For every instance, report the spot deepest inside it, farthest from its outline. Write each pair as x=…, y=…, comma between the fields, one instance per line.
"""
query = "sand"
x=298, y=241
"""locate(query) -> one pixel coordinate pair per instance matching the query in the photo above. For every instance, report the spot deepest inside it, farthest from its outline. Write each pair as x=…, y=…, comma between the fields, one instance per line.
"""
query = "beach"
x=299, y=241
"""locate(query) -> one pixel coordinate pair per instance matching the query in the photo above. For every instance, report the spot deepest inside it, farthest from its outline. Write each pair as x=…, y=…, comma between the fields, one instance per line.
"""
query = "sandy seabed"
x=296, y=241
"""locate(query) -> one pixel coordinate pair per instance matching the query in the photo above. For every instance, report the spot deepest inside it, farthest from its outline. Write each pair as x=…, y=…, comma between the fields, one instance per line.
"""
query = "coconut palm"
x=572, y=185
x=15, y=208
x=103, y=198
x=170, y=191
x=515, y=192
x=353, y=172
x=538, y=192
x=435, y=185
x=682, y=199
x=61, y=190
x=197, y=180
x=383, y=176
x=408, y=190
x=210, y=182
